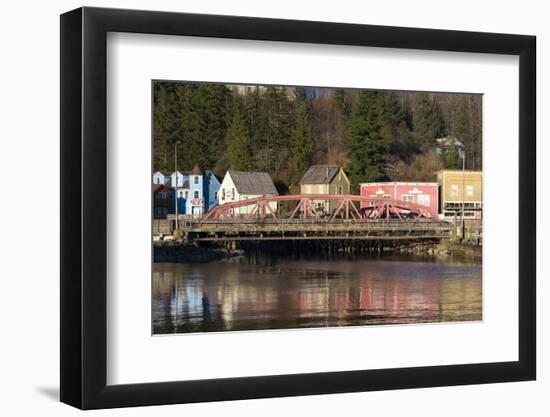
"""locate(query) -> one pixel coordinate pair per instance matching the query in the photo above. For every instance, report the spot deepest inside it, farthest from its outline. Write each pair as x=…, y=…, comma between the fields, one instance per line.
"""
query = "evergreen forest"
x=374, y=135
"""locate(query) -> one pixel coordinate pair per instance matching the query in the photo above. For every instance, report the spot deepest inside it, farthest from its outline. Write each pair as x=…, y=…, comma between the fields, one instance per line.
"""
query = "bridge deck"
x=316, y=229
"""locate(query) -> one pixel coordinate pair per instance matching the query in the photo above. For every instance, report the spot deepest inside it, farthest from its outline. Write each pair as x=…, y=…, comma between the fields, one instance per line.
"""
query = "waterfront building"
x=244, y=185
x=196, y=192
x=211, y=186
x=182, y=194
x=422, y=193
x=195, y=205
x=325, y=179
x=163, y=201
x=160, y=177
x=458, y=187
x=177, y=179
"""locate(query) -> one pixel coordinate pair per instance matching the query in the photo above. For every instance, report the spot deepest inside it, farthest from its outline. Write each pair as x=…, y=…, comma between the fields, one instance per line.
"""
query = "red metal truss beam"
x=261, y=207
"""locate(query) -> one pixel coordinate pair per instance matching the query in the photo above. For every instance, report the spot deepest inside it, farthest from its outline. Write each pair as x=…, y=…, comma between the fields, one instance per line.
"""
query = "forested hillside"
x=375, y=135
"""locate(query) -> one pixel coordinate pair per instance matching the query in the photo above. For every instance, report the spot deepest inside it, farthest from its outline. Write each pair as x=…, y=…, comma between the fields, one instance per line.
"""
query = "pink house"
x=422, y=193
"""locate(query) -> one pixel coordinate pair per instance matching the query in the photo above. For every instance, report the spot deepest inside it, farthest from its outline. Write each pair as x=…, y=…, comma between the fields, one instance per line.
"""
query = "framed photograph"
x=257, y=208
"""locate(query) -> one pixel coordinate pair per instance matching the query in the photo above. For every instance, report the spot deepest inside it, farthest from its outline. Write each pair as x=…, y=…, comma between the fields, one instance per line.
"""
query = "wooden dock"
x=314, y=229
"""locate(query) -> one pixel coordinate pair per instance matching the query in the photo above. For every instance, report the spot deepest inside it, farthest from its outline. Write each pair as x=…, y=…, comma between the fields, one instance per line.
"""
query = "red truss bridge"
x=317, y=217
x=308, y=207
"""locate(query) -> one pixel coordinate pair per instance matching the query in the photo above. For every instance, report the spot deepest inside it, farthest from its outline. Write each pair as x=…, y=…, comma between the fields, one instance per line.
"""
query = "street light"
x=176, y=185
x=463, y=233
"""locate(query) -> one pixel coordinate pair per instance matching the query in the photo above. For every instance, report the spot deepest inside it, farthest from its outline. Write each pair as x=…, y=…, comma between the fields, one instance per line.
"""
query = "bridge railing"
x=389, y=223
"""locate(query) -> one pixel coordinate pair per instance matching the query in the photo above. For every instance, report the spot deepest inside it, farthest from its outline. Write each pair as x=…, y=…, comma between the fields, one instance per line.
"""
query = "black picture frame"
x=84, y=207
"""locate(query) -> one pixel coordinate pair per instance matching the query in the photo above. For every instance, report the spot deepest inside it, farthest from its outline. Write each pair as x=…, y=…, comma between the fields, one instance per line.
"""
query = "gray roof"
x=320, y=174
x=253, y=183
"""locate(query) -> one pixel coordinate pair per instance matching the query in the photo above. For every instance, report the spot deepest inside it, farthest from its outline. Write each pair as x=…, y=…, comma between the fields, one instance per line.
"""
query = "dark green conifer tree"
x=366, y=145
x=426, y=124
x=301, y=144
x=462, y=128
x=165, y=125
x=236, y=141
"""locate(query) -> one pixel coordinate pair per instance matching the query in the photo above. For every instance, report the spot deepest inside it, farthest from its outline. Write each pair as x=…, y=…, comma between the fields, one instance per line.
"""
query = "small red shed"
x=422, y=193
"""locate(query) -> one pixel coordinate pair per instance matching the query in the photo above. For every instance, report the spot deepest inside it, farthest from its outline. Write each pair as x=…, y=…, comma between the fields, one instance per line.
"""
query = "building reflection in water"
x=296, y=294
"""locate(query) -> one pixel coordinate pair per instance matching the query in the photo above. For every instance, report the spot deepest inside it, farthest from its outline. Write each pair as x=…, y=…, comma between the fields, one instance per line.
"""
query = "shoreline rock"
x=191, y=253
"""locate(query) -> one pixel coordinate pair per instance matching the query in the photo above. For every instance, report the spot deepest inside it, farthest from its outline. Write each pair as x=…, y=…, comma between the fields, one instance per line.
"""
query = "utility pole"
x=176, y=185
x=463, y=233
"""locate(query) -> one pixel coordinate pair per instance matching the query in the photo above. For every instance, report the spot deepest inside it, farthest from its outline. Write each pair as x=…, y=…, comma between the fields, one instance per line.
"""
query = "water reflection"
x=250, y=294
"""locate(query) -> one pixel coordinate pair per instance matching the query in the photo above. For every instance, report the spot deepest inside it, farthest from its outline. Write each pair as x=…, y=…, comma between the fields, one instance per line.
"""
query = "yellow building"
x=325, y=179
x=457, y=187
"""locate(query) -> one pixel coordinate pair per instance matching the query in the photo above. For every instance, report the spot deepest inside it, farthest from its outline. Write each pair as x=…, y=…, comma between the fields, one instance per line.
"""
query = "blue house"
x=211, y=189
x=196, y=192
x=194, y=205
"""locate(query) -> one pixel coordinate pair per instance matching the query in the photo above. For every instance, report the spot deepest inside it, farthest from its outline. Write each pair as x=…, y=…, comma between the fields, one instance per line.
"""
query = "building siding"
x=457, y=187
x=423, y=193
x=338, y=186
x=229, y=193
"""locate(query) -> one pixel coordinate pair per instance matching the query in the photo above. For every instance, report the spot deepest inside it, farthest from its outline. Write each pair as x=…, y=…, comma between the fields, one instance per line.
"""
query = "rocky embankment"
x=181, y=252
x=465, y=251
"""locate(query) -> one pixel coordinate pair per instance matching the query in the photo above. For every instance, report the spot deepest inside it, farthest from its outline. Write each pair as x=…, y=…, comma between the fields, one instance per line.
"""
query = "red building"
x=422, y=193
x=163, y=201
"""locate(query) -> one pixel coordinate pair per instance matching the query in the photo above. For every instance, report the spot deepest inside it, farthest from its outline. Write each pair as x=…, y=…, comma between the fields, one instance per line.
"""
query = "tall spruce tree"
x=366, y=145
x=462, y=129
x=236, y=140
x=426, y=125
x=211, y=106
x=278, y=112
x=190, y=127
x=165, y=125
x=301, y=144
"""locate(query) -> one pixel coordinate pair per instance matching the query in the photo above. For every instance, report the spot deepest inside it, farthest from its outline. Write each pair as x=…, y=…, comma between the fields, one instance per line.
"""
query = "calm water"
x=250, y=293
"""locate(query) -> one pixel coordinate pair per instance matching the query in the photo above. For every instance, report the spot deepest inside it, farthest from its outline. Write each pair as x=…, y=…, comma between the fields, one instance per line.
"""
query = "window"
x=407, y=198
x=196, y=180
x=186, y=195
x=233, y=193
x=196, y=194
x=223, y=194
x=423, y=199
x=181, y=194
x=454, y=190
x=341, y=190
x=470, y=190
x=386, y=196
x=162, y=196
x=215, y=195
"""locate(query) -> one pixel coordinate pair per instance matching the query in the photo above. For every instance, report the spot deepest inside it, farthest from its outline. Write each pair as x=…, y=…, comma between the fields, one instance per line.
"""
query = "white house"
x=177, y=179
x=240, y=185
x=160, y=177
